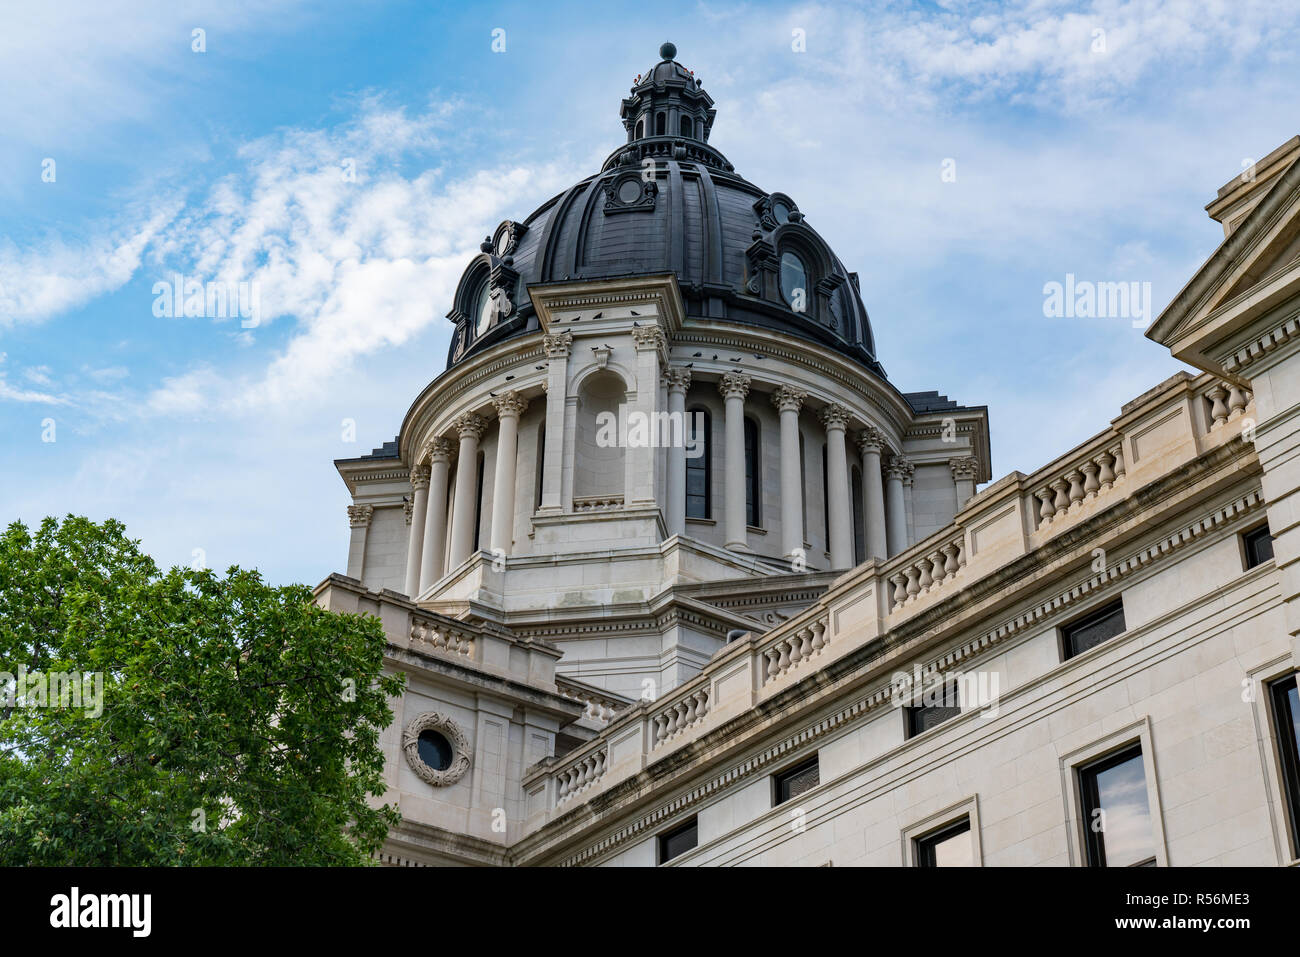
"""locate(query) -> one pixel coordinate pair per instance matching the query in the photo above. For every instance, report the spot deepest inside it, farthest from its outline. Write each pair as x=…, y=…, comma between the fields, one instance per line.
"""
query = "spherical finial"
x=668, y=51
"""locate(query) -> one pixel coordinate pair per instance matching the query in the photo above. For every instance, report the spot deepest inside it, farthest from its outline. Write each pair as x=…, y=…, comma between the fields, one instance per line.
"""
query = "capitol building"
x=677, y=576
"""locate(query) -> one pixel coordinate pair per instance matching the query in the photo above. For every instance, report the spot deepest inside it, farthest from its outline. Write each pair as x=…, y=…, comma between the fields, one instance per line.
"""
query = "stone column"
x=557, y=348
x=415, y=542
x=896, y=471
x=470, y=428
x=678, y=381
x=651, y=356
x=871, y=442
x=510, y=405
x=734, y=387
x=359, y=520
x=964, y=469
x=788, y=402
x=435, y=526
x=835, y=418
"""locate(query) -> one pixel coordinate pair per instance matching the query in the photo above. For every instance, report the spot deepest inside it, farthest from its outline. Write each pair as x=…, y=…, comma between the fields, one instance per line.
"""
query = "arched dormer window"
x=661, y=123
x=794, y=281
x=686, y=126
x=753, y=475
x=482, y=314
x=699, y=465
x=640, y=128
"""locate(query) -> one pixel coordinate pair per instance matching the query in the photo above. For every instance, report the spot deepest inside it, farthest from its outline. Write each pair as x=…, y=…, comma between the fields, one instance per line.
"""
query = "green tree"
x=240, y=722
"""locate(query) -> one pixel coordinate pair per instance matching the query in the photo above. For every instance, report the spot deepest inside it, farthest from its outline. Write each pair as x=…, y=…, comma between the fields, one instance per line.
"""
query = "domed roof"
x=666, y=201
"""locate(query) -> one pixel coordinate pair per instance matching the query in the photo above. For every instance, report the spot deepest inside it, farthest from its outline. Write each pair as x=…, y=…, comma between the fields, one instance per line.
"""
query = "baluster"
x=1075, y=479
x=1236, y=401
x=784, y=664
x=1218, y=411
x=950, y=564
x=819, y=636
x=913, y=589
x=900, y=588
x=796, y=651
x=805, y=646
x=773, y=663
x=1090, y=483
x=938, y=570
x=1107, y=474
x=1119, y=462
x=1062, y=501
x=1047, y=509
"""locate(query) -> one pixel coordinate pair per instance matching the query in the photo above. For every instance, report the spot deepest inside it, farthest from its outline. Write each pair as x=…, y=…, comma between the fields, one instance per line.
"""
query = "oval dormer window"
x=483, y=308
x=794, y=281
x=781, y=212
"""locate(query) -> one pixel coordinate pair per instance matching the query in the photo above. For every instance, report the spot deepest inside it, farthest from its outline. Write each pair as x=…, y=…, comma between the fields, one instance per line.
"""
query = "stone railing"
x=1095, y=474
x=597, y=503
x=429, y=634
x=1226, y=403
x=599, y=707
x=573, y=779
x=927, y=571
x=679, y=715
x=1156, y=435
x=793, y=649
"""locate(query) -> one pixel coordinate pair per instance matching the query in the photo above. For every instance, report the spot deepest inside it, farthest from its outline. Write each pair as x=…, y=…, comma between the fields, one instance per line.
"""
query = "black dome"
x=668, y=202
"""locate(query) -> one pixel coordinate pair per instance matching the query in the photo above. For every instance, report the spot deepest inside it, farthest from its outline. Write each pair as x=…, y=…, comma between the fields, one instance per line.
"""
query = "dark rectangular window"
x=794, y=781
x=698, y=469
x=1259, y=546
x=753, y=476
x=1286, y=721
x=826, y=502
x=1092, y=629
x=934, y=705
x=950, y=846
x=678, y=841
x=1116, y=815
x=478, y=502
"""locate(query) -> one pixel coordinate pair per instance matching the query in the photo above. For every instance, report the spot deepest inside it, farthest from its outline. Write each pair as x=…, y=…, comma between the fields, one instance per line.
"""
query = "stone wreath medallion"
x=433, y=721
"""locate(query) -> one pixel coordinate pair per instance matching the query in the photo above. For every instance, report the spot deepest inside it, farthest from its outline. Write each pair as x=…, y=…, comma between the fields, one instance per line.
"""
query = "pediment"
x=1254, y=273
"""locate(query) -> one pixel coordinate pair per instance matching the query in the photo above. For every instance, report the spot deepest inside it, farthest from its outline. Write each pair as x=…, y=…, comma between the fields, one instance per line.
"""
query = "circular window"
x=483, y=308
x=629, y=191
x=503, y=242
x=435, y=750
x=794, y=282
x=781, y=212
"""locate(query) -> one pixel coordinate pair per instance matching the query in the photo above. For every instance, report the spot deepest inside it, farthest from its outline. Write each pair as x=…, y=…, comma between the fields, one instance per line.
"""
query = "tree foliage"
x=240, y=722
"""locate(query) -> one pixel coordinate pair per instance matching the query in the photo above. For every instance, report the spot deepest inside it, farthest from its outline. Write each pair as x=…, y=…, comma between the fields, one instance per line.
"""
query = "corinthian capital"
x=677, y=379
x=964, y=467
x=557, y=344
x=900, y=468
x=835, y=416
x=420, y=477
x=510, y=404
x=734, y=384
x=649, y=337
x=787, y=399
x=359, y=515
x=871, y=439
x=441, y=449
x=470, y=425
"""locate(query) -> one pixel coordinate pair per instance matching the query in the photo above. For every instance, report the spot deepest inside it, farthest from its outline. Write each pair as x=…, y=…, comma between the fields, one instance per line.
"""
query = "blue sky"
x=227, y=164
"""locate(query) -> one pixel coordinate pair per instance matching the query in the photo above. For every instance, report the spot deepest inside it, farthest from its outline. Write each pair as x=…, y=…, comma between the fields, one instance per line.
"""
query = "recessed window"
x=478, y=501
x=435, y=750
x=629, y=191
x=661, y=120
x=753, y=476
x=686, y=126
x=1258, y=544
x=794, y=281
x=1116, y=814
x=949, y=846
x=640, y=128
x=1286, y=724
x=933, y=706
x=781, y=211
x=678, y=841
x=792, y=782
x=1094, y=628
x=698, y=468
x=859, y=520
x=483, y=308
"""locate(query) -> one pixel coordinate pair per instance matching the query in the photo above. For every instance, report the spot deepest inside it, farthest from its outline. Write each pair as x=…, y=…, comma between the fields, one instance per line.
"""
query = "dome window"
x=661, y=122
x=794, y=281
x=640, y=128
x=483, y=308
x=686, y=126
x=781, y=211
